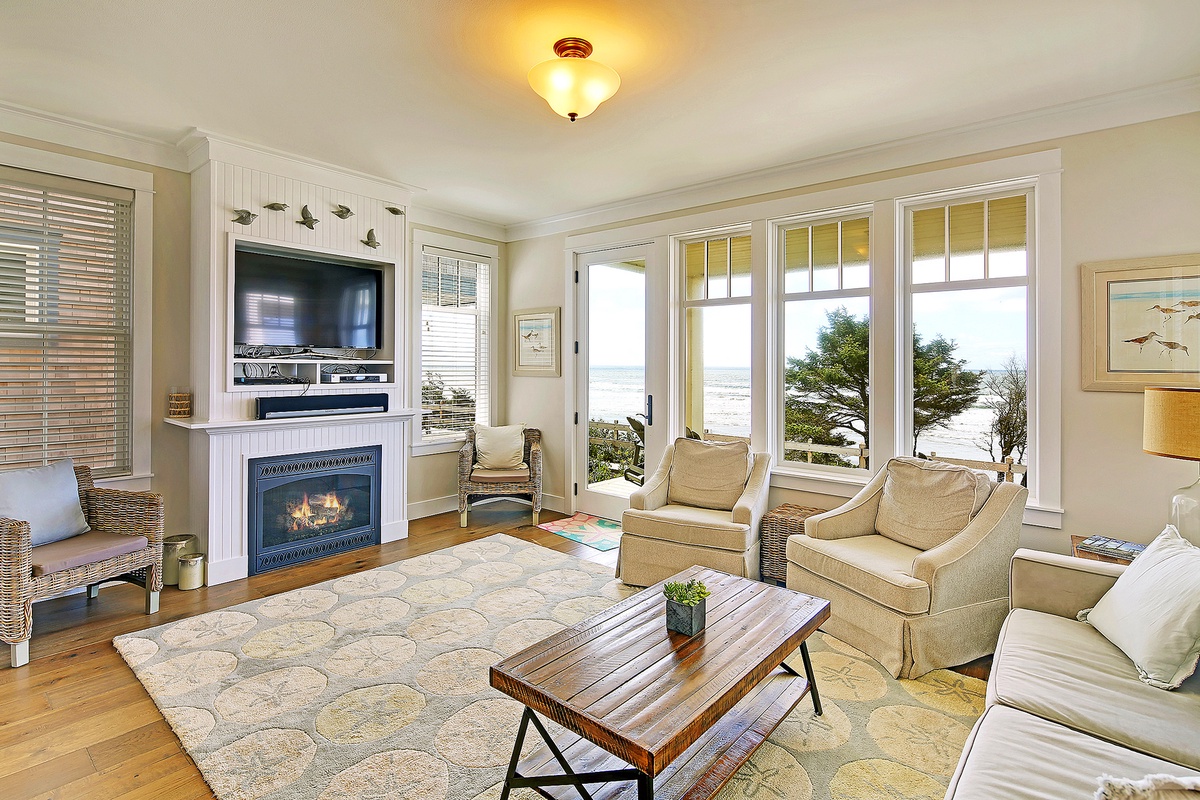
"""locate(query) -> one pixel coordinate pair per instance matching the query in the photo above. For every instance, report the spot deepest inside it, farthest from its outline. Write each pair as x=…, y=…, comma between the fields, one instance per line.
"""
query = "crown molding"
x=57, y=129
x=1084, y=116
x=427, y=217
x=201, y=146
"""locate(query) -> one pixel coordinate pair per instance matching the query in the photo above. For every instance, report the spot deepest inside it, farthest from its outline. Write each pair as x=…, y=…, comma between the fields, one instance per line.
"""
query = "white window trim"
x=1045, y=166
x=142, y=184
x=484, y=253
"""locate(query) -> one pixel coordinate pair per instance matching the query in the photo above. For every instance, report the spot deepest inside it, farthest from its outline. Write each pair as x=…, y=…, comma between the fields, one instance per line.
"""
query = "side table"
x=777, y=525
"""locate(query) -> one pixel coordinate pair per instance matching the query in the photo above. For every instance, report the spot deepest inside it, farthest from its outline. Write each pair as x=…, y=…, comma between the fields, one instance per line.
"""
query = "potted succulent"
x=685, y=606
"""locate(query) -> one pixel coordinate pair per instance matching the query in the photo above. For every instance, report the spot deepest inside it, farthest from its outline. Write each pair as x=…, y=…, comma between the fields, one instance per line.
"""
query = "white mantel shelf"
x=243, y=425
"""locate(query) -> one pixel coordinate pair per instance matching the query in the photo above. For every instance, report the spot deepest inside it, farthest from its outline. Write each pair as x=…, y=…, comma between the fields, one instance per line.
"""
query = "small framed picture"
x=535, y=343
x=1141, y=323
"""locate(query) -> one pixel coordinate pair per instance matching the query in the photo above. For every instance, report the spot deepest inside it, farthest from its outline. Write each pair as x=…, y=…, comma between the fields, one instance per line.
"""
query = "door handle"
x=649, y=409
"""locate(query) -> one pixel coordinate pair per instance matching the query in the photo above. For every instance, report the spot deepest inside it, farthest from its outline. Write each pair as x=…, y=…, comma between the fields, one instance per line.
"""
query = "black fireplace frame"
x=268, y=472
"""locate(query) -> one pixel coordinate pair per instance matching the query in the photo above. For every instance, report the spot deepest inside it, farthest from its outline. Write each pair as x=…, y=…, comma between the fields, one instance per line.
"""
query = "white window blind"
x=455, y=334
x=66, y=286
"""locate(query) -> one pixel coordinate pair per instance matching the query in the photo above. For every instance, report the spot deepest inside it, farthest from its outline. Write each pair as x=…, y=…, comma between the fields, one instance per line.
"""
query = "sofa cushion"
x=500, y=448
x=45, y=497
x=86, y=548
x=1018, y=756
x=519, y=474
x=925, y=502
x=873, y=566
x=703, y=527
x=1152, y=612
x=708, y=474
x=1066, y=672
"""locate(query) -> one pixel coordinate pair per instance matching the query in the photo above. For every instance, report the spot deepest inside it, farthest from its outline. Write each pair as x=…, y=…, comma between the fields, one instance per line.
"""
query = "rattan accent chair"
x=110, y=511
x=474, y=481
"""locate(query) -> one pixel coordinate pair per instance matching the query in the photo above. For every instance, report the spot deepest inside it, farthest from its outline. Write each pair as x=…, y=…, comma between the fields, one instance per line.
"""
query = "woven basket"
x=777, y=525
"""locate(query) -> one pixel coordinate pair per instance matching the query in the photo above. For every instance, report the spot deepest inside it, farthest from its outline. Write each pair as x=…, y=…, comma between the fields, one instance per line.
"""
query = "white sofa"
x=1064, y=705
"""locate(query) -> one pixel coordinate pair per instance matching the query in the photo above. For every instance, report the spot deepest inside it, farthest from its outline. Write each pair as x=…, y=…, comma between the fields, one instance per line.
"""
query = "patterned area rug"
x=376, y=685
x=595, y=532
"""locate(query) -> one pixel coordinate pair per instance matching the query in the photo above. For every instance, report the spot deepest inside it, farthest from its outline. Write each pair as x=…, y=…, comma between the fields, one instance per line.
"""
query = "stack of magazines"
x=1104, y=546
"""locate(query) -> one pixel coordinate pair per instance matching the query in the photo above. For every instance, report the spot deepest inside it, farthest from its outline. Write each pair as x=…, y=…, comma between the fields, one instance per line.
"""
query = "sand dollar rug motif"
x=376, y=685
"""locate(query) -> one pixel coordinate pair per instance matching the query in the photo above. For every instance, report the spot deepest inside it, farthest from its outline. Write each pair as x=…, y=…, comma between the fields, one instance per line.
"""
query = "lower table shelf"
x=702, y=769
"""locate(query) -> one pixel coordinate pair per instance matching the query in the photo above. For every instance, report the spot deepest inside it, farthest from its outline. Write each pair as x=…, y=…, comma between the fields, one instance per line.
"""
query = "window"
x=66, y=322
x=455, y=338
x=826, y=286
x=718, y=352
x=968, y=278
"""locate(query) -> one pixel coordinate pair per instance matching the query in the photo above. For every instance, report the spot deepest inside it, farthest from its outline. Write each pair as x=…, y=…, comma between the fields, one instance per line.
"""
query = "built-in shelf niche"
x=247, y=367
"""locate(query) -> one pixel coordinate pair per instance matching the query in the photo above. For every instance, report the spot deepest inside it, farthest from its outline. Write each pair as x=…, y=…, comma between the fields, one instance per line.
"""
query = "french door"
x=620, y=373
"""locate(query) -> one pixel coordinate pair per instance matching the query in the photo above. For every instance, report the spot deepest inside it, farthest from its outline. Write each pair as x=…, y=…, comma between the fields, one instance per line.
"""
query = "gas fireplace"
x=310, y=505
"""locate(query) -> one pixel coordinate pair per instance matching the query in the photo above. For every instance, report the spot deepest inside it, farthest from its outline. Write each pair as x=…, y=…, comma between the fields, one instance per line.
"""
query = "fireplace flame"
x=316, y=512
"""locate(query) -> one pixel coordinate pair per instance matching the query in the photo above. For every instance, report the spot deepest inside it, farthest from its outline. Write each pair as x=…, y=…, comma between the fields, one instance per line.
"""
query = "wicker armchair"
x=109, y=511
x=476, y=482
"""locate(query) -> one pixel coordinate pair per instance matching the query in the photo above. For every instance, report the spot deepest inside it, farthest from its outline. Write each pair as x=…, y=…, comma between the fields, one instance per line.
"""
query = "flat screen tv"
x=286, y=301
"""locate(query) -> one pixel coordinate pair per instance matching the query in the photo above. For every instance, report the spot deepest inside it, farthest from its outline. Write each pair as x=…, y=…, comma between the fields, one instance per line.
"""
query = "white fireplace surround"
x=223, y=433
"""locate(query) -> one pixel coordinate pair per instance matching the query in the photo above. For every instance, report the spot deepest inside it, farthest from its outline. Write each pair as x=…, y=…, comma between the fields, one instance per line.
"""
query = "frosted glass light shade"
x=574, y=87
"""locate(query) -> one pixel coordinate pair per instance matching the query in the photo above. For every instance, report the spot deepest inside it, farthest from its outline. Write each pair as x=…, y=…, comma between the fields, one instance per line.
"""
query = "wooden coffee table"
x=655, y=714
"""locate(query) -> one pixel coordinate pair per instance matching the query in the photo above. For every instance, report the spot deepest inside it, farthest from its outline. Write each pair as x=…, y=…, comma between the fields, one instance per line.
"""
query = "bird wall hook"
x=343, y=212
x=394, y=210
x=244, y=216
x=371, y=241
x=276, y=206
x=307, y=219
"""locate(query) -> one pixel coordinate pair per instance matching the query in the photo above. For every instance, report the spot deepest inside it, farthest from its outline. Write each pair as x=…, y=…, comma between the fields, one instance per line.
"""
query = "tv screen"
x=283, y=301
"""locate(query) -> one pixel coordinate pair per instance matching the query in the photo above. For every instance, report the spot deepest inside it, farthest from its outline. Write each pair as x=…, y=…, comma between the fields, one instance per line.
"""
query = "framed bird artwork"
x=1141, y=323
x=535, y=343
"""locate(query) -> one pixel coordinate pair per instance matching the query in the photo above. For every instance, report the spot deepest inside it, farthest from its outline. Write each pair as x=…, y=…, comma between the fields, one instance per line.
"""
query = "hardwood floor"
x=75, y=723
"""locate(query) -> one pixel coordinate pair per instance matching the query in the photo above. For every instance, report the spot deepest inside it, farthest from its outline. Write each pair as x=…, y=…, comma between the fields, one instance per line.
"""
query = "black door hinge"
x=576, y=417
x=575, y=490
x=577, y=348
x=577, y=276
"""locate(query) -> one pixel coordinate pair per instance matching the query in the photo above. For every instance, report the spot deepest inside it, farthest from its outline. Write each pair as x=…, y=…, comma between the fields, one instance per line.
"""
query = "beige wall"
x=1127, y=192
x=172, y=313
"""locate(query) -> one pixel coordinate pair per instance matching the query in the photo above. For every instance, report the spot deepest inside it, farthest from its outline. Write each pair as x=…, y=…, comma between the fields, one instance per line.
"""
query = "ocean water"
x=617, y=392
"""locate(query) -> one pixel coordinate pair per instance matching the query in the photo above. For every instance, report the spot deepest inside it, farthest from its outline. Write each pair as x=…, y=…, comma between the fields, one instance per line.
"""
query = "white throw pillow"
x=1152, y=612
x=45, y=497
x=500, y=448
x=926, y=502
x=708, y=474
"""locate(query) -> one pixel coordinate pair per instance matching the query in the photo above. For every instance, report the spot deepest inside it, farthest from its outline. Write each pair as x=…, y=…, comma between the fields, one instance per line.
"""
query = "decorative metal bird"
x=307, y=219
x=1142, y=341
x=370, y=241
x=343, y=212
x=394, y=210
x=276, y=206
x=1169, y=346
x=244, y=216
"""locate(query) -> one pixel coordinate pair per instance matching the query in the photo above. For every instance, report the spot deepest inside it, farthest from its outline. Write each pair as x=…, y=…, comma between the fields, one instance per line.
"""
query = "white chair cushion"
x=924, y=502
x=45, y=497
x=1152, y=612
x=708, y=474
x=500, y=448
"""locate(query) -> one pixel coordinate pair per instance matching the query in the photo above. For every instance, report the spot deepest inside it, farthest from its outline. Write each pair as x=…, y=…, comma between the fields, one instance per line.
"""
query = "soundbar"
x=325, y=405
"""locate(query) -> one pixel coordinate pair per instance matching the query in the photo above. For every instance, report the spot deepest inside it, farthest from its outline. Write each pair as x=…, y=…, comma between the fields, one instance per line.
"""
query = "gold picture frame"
x=536, y=343
x=1141, y=323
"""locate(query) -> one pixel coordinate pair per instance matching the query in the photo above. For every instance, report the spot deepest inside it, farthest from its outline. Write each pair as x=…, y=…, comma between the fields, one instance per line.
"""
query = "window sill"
x=437, y=446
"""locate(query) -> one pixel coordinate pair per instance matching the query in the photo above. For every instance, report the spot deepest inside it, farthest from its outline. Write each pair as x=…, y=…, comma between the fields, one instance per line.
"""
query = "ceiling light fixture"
x=572, y=85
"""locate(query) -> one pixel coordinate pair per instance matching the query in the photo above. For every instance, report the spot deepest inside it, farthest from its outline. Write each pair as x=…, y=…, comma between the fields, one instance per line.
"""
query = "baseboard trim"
x=441, y=505
x=229, y=569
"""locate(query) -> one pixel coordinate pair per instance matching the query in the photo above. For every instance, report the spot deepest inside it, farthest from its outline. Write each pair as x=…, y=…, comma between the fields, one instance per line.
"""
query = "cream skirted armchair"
x=915, y=565
x=702, y=506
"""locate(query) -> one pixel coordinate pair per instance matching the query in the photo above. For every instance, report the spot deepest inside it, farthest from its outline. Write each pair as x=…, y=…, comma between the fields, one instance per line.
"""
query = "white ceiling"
x=434, y=93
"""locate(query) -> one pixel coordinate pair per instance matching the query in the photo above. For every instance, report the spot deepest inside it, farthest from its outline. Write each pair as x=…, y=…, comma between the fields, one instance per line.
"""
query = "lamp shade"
x=1171, y=426
x=574, y=85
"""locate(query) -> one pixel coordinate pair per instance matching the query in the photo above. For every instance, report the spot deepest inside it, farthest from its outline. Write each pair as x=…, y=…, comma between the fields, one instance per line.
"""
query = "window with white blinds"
x=66, y=322
x=455, y=336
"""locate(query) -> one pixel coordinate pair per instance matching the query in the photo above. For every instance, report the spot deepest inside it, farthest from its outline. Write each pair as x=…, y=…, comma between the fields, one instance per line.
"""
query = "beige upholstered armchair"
x=474, y=480
x=125, y=542
x=915, y=565
x=702, y=506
